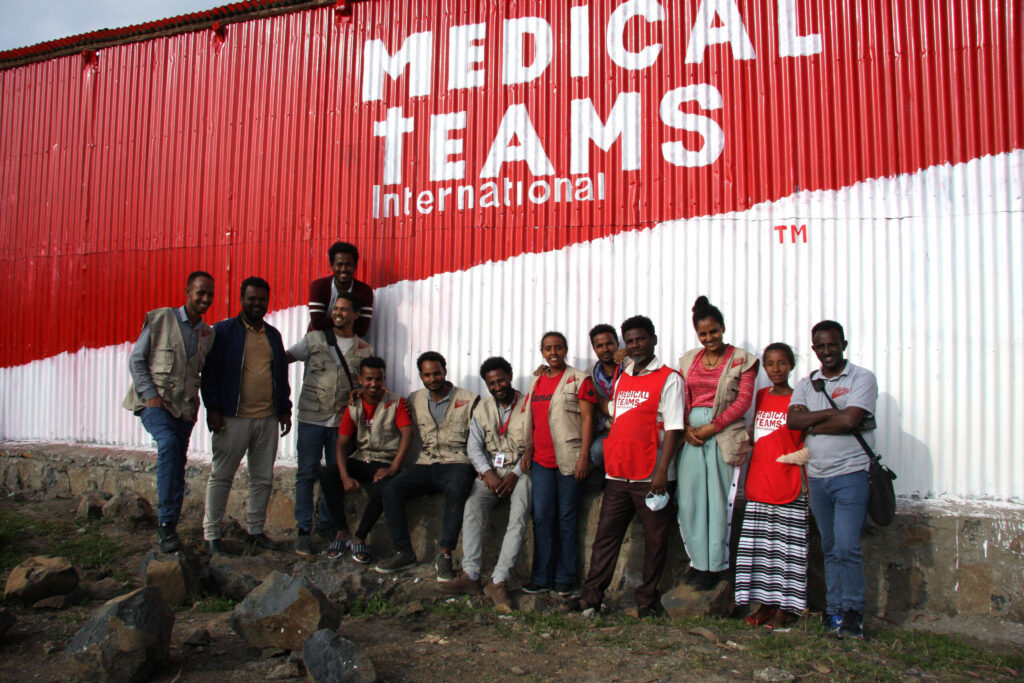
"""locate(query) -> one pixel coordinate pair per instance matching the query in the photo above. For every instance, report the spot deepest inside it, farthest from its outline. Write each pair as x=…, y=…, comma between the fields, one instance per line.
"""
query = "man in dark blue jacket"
x=246, y=394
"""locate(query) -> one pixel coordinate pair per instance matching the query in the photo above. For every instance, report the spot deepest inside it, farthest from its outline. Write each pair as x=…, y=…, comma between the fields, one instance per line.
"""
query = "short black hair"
x=552, y=333
x=342, y=248
x=427, y=356
x=641, y=321
x=357, y=305
x=372, y=362
x=603, y=328
x=702, y=309
x=196, y=274
x=253, y=281
x=495, y=363
x=828, y=326
x=781, y=346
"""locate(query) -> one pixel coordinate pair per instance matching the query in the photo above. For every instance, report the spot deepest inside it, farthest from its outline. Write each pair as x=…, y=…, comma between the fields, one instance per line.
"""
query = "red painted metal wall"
x=250, y=149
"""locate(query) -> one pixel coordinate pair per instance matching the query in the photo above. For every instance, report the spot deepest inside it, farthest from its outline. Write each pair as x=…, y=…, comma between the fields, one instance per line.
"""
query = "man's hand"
x=285, y=419
x=355, y=395
x=508, y=484
x=382, y=473
x=620, y=355
x=493, y=481
x=691, y=437
x=659, y=483
x=706, y=432
x=215, y=421
x=582, y=467
x=156, y=402
x=351, y=484
x=527, y=460
x=541, y=370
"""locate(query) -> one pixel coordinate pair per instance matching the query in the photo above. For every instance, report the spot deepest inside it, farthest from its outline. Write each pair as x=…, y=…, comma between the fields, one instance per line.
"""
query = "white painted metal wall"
x=926, y=271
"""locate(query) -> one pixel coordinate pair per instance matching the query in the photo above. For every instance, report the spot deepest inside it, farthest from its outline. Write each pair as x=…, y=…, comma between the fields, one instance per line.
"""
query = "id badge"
x=499, y=459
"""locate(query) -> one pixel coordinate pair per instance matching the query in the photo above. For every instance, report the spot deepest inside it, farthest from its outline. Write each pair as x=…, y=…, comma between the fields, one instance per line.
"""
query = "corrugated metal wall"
x=895, y=148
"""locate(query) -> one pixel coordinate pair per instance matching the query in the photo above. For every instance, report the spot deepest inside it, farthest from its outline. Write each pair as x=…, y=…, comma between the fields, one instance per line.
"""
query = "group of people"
x=673, y=443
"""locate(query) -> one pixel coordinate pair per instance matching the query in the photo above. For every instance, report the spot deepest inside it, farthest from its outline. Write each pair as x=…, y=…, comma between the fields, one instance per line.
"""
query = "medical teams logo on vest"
x=631, y=449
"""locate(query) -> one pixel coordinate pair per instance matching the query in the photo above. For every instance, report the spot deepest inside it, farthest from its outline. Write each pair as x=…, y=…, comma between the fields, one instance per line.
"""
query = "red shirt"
x=348, y=425
x=769, y=481
x=540, y=402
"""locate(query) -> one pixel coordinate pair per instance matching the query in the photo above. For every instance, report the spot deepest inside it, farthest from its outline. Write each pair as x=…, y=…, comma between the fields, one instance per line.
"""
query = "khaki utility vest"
x=445, y=442
x=176, y=377
x=517, y=434
x=565, y=419
x=325, y=386
x=380, y=442
x=733, y=440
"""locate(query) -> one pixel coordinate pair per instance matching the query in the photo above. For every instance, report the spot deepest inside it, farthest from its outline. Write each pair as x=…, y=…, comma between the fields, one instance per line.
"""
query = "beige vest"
x=733, y=440
x=446, y=442
x=565, y=420
x=380, y=442
x=325, y=386
x=517, y=434
x=175, y=376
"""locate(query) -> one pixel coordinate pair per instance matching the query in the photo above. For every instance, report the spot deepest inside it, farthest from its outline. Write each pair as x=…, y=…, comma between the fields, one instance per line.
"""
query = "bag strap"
x=333, y=343
x=875, y=458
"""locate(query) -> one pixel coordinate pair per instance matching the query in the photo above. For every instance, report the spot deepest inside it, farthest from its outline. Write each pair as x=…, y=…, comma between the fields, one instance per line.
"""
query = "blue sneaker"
x=832, y=623
x=852, y=625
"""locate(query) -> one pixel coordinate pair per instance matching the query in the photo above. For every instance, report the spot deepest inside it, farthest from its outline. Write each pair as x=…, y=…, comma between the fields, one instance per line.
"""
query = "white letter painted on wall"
x=517, y=124
x=514, y=69
x=615, y=38
x=416, y=53
x=579, y=41
x=730, y=30
x=464, y=52
x=585, y=125
x=707, y=97
x=791, y=44
x=392, y=129
x=442, y=146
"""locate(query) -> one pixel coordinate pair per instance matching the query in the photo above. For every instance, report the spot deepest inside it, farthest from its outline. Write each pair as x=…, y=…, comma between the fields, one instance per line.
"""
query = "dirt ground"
x=414, y=633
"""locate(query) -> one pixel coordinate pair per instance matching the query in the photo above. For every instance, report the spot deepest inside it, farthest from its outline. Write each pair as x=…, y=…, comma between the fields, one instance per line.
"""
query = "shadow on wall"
x=910, y=458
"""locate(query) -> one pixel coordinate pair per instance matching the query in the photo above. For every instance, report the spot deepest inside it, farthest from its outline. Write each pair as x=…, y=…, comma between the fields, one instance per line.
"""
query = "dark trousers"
x=334, y=493
x=556, y=499
x=454, y=480
x=622, y=500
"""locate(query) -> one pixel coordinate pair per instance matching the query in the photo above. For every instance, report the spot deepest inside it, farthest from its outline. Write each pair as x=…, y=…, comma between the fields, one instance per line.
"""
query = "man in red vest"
x=639, y=461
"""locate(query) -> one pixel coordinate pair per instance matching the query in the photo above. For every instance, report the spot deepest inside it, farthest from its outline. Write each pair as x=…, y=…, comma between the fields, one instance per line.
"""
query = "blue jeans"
x=313, y=444
x=597, y=450
x=555, y=531
x=171, y=435
x=840, y=507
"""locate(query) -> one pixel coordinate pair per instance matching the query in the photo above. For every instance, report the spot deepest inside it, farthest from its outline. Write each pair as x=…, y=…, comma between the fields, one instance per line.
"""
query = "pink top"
x=702, y=384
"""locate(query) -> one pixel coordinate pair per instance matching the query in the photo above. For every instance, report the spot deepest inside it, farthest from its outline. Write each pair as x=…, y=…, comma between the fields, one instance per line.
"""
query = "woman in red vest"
x=771, y=562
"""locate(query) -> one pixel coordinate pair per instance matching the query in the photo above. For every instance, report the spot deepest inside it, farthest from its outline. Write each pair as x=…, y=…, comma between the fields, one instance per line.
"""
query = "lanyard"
x=504, y=428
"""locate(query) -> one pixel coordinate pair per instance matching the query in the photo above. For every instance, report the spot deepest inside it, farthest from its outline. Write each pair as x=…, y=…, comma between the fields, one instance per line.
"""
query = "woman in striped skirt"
x=771, y=562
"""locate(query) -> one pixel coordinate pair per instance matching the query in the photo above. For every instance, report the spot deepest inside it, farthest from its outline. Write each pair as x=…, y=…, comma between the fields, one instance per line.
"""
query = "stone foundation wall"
x=938, y=557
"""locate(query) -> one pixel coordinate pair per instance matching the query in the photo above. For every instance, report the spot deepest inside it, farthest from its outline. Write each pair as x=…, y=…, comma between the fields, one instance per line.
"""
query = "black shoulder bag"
x=882, y=505
x=333, y=343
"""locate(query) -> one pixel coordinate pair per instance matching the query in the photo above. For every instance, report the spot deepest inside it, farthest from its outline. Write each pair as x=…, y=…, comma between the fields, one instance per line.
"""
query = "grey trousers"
x=478, y=505
x=255, y=438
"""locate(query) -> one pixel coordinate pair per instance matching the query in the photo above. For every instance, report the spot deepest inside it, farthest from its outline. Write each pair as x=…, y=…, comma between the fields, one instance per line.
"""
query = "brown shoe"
x=460, y=584
x=498, y=593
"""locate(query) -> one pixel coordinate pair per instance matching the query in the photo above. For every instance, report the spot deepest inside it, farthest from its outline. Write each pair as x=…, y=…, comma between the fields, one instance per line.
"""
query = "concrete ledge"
x=939, y=556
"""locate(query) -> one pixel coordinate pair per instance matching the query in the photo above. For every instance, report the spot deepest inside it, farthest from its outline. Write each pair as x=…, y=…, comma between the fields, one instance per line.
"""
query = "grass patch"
x=214, y=605
x=22, y=536
x=374, y=605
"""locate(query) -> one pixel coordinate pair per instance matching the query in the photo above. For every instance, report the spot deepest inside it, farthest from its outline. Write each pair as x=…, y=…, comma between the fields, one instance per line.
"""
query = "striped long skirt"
x=771, y=561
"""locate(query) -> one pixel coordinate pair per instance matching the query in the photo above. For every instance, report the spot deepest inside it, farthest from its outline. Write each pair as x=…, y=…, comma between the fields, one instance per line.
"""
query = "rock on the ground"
x=129, y=509
x=339, y=581
x=59, y=601
x=282, y=612
x=236, y=576
x=174, y=574
x=6, y=621
x=199, y=638
x=329, y=658
x=108, y=588
x=40, y=577
x=284, y=671
x=773, y=674
x=126, y=639
x=90, y=507
x=683, y=602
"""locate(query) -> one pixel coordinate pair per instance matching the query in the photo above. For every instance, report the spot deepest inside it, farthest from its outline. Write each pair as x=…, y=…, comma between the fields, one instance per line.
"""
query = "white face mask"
x=656, y=501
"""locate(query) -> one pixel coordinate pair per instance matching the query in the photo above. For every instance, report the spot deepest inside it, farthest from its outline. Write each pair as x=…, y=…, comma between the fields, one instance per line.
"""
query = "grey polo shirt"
x=832, y=455
x=439, y=408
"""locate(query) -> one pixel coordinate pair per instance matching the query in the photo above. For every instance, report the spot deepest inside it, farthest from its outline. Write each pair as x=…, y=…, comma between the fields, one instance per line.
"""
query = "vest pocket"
x=162, y=362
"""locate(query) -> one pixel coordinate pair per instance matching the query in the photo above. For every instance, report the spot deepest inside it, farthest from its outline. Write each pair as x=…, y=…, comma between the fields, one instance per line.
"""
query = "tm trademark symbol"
x=796, y=232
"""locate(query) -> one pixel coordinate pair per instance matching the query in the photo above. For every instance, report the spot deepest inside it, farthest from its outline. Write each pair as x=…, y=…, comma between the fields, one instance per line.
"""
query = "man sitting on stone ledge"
x=639, y=459
x=442, y=414
x=380, y=427
x=499, y=447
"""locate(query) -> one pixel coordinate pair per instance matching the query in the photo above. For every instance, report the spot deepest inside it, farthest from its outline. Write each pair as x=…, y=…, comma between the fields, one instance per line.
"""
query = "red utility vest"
x=631, y=449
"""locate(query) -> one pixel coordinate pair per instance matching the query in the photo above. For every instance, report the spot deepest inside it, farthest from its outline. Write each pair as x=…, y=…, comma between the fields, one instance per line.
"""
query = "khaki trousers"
x=255, y=438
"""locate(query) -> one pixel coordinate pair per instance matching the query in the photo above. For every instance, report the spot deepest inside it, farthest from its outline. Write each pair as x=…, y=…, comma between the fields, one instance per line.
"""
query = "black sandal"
x=337, y=548
x=360, y=553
